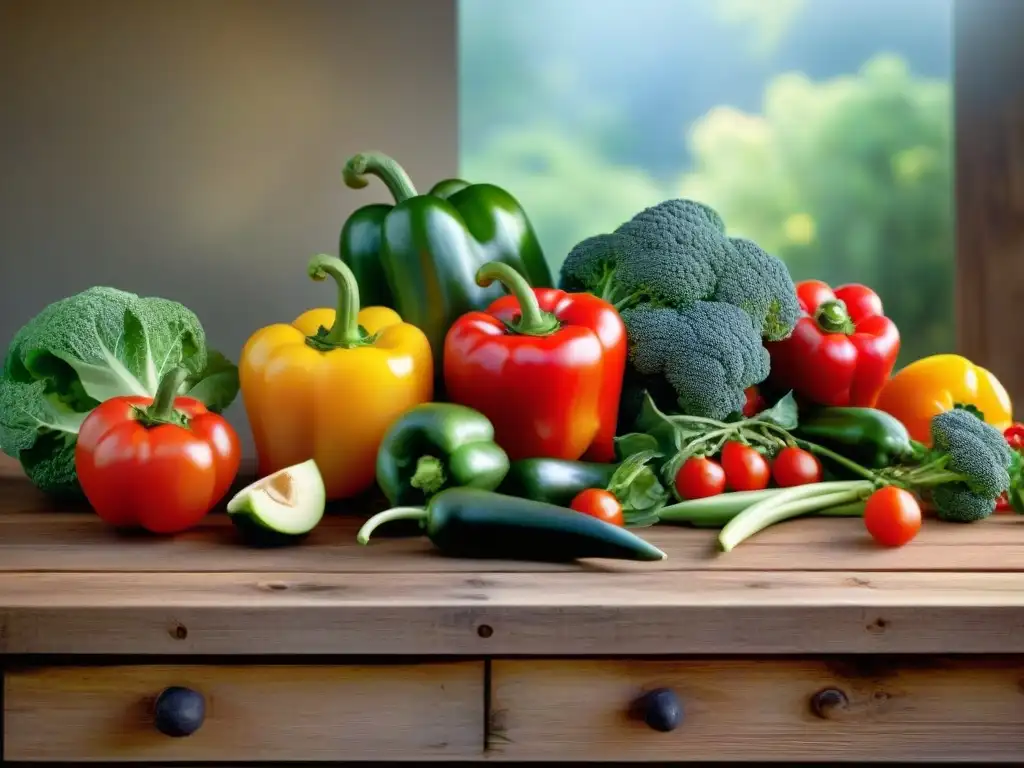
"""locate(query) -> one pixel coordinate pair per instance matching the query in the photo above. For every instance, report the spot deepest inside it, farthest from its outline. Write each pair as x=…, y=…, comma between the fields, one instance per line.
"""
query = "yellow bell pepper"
x=935, y=384
x=327, y=386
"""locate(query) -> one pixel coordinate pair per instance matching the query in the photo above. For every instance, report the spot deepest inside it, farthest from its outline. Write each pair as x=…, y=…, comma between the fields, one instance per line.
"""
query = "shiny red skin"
x=836, y=369
x=554, y=396
x=163, y=478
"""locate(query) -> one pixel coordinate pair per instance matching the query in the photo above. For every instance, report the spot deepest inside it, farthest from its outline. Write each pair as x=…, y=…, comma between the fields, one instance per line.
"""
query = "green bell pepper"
x=435, y=446
x=420, y=256
x=868, y=436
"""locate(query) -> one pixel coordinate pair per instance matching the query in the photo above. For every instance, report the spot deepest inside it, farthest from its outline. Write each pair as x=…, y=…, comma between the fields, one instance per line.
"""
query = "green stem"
x=842, y=461
x=161, y=410
x=429, y=475
x=783, y=507
x=345, y=331
x=384, y=168
x=832, y=317
x=387, y=516
x=533, y=321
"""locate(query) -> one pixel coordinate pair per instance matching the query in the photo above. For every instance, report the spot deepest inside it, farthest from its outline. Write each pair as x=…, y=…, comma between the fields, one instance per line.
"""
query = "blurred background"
x=822, y=129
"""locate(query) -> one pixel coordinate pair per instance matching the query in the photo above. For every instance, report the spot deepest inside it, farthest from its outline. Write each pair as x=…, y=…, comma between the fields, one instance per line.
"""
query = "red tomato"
x=699, y=478
x=892, y=516
x=753, y=402
x=745, y=468
x=164, y=476
x=795, y=466
x=599, y=503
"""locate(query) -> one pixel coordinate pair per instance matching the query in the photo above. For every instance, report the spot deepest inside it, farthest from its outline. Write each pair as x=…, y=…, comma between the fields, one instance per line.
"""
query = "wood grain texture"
x=989, y=107
x=35, y=537
x=379, y=712
x=928, y=711
x=500, y=614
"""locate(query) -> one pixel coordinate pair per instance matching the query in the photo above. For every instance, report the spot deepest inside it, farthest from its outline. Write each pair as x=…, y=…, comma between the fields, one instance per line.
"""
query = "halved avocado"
x=281, y=508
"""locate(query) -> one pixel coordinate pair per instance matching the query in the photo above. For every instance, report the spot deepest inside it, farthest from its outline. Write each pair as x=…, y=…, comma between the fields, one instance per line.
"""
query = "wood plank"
x=253, y=713
x=81, y=542
x=989, y=107
x=928, y=711
x=587, y=613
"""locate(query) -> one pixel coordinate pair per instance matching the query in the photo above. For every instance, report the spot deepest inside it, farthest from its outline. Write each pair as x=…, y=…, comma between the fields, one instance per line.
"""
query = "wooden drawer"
x=252, y=713
x=925, y=711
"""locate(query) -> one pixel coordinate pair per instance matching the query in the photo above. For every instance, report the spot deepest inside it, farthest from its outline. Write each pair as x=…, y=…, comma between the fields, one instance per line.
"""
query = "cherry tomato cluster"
x=740, y=467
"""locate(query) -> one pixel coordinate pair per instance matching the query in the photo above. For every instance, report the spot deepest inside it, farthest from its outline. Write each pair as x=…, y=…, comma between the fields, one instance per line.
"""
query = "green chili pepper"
x=868, y=436
x=555, y=481
x=465, y=522
x=420, y=256
x=436, y=446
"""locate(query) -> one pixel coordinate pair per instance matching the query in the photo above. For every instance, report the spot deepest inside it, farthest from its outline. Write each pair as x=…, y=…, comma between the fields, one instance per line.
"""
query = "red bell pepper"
x=157, y=463
x=545, y=366
x=843, y=348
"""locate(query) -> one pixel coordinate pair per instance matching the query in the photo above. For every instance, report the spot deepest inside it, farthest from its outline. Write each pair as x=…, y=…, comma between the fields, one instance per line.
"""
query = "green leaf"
x=1015, y=493
x=216, y=386
x=633, y=443
x=651, y=421
x=635, y=484
x=784, y=413
x=970, y=408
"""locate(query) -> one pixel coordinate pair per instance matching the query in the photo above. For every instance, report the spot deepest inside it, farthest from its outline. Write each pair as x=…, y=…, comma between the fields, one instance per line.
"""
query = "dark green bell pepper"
x=868, y=436
x=436, y=446
x=420, y=256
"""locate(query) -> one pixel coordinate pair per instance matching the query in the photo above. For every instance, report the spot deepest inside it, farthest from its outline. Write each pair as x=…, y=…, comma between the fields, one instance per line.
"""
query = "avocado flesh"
x=282, y=506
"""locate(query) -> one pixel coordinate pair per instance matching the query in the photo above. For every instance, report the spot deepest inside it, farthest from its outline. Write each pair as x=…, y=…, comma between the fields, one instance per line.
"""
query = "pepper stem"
x=832, y=317
x=384, y=168
x=161, y=410
x=345, y=332
x=388, y=515
x=533, y=321
x=429, y=476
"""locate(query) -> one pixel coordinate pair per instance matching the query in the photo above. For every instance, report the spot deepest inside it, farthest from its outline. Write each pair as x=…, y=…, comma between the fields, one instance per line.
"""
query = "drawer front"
x=758, y=710
x=247, y=713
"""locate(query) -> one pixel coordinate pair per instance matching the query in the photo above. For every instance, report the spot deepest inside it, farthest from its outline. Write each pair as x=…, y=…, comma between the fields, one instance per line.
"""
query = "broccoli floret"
x=709, y=353
x=676, y=256
x=967, y=468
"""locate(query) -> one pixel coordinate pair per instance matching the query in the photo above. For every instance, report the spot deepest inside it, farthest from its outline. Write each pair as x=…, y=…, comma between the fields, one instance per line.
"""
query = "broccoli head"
x=709, y=353
x=697, y=303
x=968, y=466
x=675, y=254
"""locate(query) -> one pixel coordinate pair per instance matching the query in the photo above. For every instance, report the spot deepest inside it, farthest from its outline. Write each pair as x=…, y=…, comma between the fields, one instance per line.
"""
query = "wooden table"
x=805, y=643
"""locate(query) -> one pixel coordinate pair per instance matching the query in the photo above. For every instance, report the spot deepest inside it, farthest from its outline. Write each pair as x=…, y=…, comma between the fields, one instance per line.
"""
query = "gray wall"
x=192, y=149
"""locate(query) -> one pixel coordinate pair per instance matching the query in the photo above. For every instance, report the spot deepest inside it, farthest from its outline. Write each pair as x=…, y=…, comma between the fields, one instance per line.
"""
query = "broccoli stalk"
x=696, y=303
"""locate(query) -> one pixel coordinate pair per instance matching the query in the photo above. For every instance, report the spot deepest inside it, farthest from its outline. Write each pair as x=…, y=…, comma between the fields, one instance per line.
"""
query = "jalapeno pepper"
x=868, y=436
x=465, y=522
x=555, y=481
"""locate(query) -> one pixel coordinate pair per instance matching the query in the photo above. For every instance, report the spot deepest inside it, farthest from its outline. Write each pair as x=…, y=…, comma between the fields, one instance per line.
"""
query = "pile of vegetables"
x=676, y=375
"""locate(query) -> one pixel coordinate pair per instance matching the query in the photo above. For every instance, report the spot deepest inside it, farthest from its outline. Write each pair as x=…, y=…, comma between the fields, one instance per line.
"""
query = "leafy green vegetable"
x=635, y=484
x=85, y=349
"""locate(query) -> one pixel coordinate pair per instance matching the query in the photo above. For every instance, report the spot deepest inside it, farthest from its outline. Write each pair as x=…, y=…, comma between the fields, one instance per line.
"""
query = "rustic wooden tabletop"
x=71, y=585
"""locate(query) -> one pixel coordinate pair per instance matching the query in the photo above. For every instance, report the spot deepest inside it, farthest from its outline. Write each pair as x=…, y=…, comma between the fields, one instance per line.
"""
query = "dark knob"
x=829, y=702
x=179, y=711
x=660, y=709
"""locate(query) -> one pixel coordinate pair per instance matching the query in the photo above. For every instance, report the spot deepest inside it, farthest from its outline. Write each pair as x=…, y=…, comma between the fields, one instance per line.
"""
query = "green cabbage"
x=87, y=348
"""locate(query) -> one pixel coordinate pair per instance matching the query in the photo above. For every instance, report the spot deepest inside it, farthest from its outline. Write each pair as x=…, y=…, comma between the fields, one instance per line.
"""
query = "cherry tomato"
x=699, y=478
x=753, y=403
x=598, y=503
x=892, y=516
x=795, y=466
x=745, y=468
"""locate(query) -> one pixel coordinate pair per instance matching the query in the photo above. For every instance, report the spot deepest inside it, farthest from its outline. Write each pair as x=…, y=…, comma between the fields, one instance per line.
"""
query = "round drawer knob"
x=660, y=709
x=179, y=711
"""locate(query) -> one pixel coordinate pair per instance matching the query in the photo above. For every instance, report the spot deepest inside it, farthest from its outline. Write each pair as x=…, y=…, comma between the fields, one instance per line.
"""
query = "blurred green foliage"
x=847, y=178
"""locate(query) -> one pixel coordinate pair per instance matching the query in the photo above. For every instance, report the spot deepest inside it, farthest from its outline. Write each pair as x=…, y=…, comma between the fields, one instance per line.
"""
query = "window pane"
x=822, y=129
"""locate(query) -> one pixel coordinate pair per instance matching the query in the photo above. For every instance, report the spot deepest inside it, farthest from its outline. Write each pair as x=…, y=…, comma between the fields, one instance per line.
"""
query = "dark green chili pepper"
x=868, y=436
x=465, y=522
x=555, y=481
